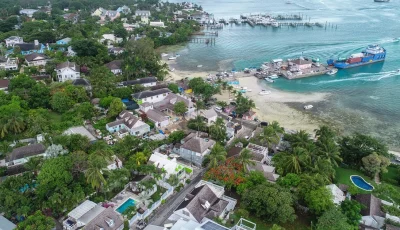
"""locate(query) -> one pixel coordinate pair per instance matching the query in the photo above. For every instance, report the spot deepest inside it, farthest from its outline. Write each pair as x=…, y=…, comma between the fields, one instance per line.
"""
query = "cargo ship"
x=372, y=54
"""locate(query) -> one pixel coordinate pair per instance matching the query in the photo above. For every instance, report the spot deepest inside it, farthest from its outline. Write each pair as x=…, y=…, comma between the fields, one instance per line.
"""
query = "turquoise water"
x=130, y=202
x=361, y=183
x=364, y=99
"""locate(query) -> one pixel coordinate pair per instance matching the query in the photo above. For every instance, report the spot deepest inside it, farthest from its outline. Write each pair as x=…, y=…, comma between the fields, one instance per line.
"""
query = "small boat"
x=269, y=80
x=398, y=71
x=264, y=92
x=308, y=106
x=199, y=66
x=172, y=58
x=164, y=55
x=274, y=76
x=396, y=39
x=332, y=71
x=275, y=24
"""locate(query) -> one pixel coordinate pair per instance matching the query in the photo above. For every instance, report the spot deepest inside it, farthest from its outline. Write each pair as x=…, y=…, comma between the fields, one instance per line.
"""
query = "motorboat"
x=332, y=71
x=264, y=92
x=275, y=24
x=172, y=58
x=269, y=80
x=274, y=76
x=164, y=55
x=308, y=106
x=199, y=66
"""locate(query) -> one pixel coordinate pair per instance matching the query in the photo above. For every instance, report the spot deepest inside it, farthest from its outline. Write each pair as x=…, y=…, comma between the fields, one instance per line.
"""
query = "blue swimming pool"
x=361, y=183
x=128, y=203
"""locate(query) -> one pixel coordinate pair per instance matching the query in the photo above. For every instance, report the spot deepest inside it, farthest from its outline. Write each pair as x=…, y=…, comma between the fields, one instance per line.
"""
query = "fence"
x=157, y=204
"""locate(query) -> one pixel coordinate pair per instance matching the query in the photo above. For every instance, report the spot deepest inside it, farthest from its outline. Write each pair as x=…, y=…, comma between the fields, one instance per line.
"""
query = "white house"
x=151, y=96
x=21, y=155
x=126, y=124
x=337, y=194
x=36, y=59
x=210, y=115
x=159, y=118
x=8, y=63
x=205, y=201
x=110, y=39
x=11, y=41
x=142, y=13
x=114, y=163
x=157, y=24
x=27, y=12
x=68, y=71
x=115, y=67
x=171, y=166
x=130, y=27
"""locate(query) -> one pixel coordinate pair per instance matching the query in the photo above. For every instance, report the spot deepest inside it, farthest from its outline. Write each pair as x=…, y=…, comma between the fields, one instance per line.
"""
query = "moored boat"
x=264, y=92
x=332, y=71
x=308, y=106
x=172, y=58
x=269, y=80
x=372, y=54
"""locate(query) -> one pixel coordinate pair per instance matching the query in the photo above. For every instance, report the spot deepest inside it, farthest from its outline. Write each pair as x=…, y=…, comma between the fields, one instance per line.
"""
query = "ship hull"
x=341, y=65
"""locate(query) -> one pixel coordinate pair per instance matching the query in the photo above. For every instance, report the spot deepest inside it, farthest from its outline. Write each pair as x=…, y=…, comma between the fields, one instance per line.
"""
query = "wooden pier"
x=206, y=33
x=207, y=41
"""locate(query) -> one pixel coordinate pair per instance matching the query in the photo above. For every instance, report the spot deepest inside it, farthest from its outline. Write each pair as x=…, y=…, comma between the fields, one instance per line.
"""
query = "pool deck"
x=122, y=197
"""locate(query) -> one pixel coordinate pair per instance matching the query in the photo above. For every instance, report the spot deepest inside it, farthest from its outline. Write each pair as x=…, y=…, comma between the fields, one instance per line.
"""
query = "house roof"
x=126, y=118
x=267, y=171
x=100, y=221
x=91, y=214
x=156, y=115
x=3, y=59
x=5, y=224
x=82, y=209
x=68, y=64
x=81, y=82
x=13, y=38
x=28, y=46
x=80, y=130
x=197, y=197
x=161, y=161
x=26, y=151
x=371, y=203
x=116, y=64
x=257, y=151
x=170, y=100
x=198, y=145
x=337, y=194
x=4, y=83
x=140, y=81
x=210, y=113
x=234, y=151
x=33, y=56
x=149, y=93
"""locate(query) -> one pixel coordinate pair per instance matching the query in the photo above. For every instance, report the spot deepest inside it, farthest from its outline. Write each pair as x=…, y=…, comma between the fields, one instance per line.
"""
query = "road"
x=161, y=215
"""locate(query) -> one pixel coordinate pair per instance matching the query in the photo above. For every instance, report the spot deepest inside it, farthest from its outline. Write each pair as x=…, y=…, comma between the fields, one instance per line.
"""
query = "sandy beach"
x=272, y=107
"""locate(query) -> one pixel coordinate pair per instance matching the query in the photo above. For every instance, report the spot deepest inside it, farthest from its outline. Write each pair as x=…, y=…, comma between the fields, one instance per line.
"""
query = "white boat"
x=269, y=80
x=332, y=71
x=164, y=55
x=264, y=92
x=199, y=66
x=308, y=106
x=275, y=24
x=274, y=76
x=172, y=58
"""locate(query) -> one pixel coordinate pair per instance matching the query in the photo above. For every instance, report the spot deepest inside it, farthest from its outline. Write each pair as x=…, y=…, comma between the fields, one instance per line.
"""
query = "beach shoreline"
x=273, y=107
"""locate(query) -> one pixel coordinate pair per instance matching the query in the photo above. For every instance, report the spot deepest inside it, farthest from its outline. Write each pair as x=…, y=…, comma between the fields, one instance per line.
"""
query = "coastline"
x=273, y=107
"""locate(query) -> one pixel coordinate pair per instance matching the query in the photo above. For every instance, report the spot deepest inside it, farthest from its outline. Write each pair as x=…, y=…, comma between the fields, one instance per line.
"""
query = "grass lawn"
x=392, y=175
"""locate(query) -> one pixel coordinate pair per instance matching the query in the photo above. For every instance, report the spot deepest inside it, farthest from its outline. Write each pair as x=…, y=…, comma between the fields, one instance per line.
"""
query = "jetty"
x=292, y=68
x=207, y=41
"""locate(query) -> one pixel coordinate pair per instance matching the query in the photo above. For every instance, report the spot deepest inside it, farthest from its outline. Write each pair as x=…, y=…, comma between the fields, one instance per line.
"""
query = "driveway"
x=161, y=215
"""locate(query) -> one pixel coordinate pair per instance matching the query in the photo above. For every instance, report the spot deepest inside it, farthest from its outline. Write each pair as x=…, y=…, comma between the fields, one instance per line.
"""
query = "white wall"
x=67, y=74
x=155, y=99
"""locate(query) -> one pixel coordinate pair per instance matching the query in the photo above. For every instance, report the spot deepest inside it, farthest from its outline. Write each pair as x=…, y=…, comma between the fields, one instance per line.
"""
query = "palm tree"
x=217, y=154
x=199, y=106
x=224, y=85
x=300, y=139
x=5, y=147
x=230, y=88
x=325, y=132
x=173, y=180
x=294, y=161
x=15, y=124
x=269, y=137
x=329, y=151
x=94, y=174
x=34, y=164
x=245, y=158
x=139, y=158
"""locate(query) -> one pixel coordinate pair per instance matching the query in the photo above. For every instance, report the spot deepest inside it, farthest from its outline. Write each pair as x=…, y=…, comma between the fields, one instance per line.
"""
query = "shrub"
x=163, y=202
x=188, y=181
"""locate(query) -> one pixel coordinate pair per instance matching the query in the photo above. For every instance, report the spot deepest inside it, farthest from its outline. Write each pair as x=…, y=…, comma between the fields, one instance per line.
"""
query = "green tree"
x=300, y=139
x=217, y=154
x=176, y=137
x=245, y=158
x=105, y=102
x=102, y=81
x=173, y=180
x=271, y=135
x=78, y=93
x=374, y=164
x=180, y=108
x=218, y=130
x=61, y=102
x=243, y=104
x=328, y=150
x=37, y=221
x=93, y=174
x=333, y=219
x=197, y=123
x=289, y=181
x=319, y=200
x=278, y=200
x=173, y=87
x=252, y=179
x=294, y=161
x=116, y=108
x=354, y=148
x=123, y=93
x=352, y=210
x=34, y=164
x=117, y=179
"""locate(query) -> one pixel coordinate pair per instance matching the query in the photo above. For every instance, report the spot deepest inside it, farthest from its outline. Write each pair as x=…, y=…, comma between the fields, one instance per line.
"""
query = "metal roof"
x=82, y=209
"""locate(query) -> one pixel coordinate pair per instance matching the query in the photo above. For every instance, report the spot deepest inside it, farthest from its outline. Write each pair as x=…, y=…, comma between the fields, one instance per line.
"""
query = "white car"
x=218, y=109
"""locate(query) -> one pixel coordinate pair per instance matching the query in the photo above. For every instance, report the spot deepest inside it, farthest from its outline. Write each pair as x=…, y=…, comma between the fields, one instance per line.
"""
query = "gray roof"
x=80, y=130
x=116, y=64
x=28, y=46
x=125, y=117
x=25, y=151
x=208, y=113
x=68, y=64
x=100, y=220
x=140, y=81
x=4, y=83
x=91, y=214
x=156, y=116
x=198, y=196
x=31, y=57
x=148, y=93
x=169, y=101
x=371, y=203
x=5, y=224
x=3, y=59
x=198, y=145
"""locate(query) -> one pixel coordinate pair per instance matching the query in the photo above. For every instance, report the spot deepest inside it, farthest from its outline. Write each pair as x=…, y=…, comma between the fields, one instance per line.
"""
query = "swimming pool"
x=128, y=203
x=361, y=183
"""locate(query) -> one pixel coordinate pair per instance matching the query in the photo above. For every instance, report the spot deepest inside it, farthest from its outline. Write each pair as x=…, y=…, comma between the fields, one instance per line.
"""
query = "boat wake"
x=363, y=77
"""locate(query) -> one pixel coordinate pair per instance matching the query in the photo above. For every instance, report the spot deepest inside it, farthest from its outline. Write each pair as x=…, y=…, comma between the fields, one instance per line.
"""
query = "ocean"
x=364, y=99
